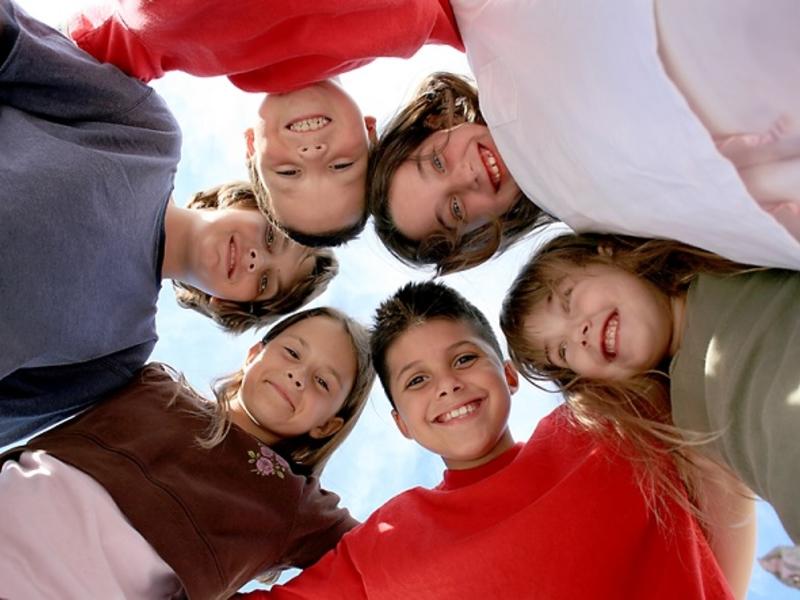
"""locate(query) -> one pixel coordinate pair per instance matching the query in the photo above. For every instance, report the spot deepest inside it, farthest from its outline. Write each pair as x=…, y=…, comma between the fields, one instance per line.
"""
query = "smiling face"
x=297, y=382
x=452, y=392
x=310, y=150
x=604, y=323
x=237, y=255
x=453, y=183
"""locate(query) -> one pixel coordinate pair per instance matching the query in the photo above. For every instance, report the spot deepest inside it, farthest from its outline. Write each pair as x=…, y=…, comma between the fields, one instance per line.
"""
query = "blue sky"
x=376, y=462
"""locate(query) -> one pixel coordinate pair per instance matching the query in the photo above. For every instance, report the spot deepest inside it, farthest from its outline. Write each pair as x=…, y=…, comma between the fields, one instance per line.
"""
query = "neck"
x=506, y=442
x=178, y=228
x=678, y=309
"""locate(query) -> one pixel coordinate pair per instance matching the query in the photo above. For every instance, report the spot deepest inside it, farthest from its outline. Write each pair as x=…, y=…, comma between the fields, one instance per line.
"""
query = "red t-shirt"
x=560, y=517
x=262, y=46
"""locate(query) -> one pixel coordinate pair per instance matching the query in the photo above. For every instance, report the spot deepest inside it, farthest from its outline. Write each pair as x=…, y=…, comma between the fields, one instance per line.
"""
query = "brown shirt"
x=218, y=517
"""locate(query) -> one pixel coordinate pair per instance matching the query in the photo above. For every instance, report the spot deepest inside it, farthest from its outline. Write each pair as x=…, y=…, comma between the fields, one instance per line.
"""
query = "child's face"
x=454, y=182
x=239, y=256
x=603, y=323
x=298, y=381
x=310, y=148
x=452, y=392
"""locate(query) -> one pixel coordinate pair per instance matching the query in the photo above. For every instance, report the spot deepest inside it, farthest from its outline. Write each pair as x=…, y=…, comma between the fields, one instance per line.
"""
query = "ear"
x=372, y=129
x=401, y=425
x=327, y=429
x=512, y=377
x=254, y=351
x=249, y=138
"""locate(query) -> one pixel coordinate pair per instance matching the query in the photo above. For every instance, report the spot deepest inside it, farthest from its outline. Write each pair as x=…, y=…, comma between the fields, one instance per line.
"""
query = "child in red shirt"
x=560, y=516
x=309, y=143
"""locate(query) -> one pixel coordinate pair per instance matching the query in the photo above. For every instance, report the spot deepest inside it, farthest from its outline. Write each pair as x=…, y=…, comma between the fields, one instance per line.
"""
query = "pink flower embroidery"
x=267, y=462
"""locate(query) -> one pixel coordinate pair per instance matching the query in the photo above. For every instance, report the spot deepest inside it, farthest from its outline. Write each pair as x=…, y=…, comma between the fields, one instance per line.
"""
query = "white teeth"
x=492, y=167
x=232, y=259
x=458, y=412
x=610, y=341
x=312, y=124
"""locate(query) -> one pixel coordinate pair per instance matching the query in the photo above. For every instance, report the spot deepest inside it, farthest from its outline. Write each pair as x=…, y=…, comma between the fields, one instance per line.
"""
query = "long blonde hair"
x=636, y=411
x=307, y=455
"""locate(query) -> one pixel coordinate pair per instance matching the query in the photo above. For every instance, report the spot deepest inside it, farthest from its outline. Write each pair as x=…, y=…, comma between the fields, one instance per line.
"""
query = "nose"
x=255, y=259
x=449, y=385
x=312, y=151
x=581, y=330
x=296, y=379
x=465, y=177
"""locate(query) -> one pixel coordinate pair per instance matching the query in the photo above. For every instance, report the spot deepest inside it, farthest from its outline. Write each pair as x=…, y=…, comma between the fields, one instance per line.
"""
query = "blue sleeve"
x=45, y=74
x=36, y=398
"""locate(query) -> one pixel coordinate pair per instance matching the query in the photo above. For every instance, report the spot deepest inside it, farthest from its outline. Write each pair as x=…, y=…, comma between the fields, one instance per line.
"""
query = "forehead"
x=412, y=201
x=430, y=340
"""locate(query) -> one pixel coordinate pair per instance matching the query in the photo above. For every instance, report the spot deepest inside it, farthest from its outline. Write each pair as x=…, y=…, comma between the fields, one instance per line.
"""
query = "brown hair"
x=306, y=454
x=636, y=410
x=240, y=316
x=415, y=304
x=335, y=237
x=442, y=101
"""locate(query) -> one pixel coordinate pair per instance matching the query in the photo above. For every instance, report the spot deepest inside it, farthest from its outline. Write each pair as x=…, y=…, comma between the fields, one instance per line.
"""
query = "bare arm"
x=730, y=509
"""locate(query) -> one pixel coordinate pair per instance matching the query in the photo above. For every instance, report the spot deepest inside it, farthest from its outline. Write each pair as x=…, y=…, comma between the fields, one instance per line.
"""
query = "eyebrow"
x=414, y=363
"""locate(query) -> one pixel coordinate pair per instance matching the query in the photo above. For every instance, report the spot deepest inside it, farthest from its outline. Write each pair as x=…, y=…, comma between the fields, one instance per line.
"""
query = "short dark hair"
x=414, y=304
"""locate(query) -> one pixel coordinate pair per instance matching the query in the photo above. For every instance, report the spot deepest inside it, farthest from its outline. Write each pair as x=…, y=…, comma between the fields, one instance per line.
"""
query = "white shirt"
x=594, y=131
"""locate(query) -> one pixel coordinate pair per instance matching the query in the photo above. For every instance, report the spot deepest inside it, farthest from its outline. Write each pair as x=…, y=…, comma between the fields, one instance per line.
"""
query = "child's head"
x=597, y=314
x=442, y=369
x=304, y=273
x=302, y=387
x=600, y=307
x=439, y=190
x=307, y=157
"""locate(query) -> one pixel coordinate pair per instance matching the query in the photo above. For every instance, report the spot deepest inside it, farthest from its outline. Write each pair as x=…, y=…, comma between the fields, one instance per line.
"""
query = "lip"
x=604, y=330
x=282, y=393
x=232, y=256
x=477, y=403
x=483, y=151
x=326, y=118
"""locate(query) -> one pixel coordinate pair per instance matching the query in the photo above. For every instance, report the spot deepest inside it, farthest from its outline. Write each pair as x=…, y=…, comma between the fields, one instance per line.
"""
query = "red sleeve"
x=261, y=47
x=334, y=577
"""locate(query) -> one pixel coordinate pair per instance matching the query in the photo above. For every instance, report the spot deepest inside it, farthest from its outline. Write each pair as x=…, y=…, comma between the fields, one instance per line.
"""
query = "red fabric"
x=261, y=45
x=557, y=518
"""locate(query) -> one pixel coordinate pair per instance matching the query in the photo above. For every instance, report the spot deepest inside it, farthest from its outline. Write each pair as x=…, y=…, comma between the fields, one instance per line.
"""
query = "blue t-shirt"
x=88, y=162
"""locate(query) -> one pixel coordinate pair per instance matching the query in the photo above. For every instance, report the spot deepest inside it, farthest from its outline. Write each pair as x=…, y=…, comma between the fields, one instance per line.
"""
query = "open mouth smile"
x=459, y=413
x=232, y=257
x=609, y=341
x=492, y=166
x=309, y=124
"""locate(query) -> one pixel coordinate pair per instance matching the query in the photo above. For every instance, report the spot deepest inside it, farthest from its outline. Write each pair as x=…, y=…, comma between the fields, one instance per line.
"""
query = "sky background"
x=376, y=462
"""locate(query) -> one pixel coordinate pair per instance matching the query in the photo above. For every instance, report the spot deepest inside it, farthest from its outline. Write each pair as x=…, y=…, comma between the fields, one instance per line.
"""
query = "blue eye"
x=262, y=284
x=437, y=163
x=455, y=209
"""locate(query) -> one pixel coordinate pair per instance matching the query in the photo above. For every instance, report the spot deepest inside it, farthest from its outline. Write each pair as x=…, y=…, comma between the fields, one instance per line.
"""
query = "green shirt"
x=737, y=374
